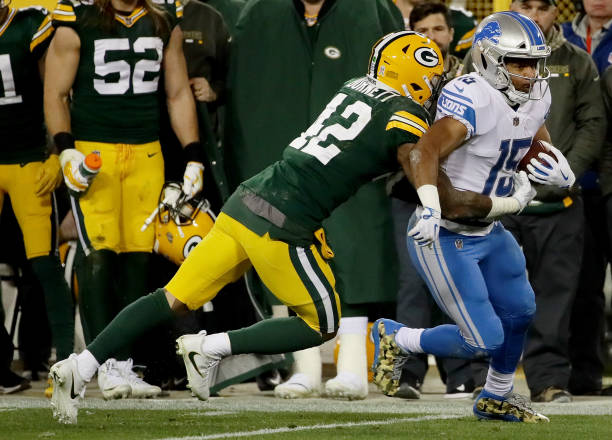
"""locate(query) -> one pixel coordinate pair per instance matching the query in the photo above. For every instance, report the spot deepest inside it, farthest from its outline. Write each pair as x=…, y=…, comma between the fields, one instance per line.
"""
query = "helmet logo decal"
x=426, y=56
x=491, y=31
x=332, y=52
x=190, y=244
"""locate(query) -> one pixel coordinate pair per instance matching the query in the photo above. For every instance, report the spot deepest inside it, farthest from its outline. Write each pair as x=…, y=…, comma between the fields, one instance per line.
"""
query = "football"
x=536, y=148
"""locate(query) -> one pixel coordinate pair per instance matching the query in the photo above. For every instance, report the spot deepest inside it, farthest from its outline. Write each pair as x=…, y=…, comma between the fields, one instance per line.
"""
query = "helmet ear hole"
x=416, y=87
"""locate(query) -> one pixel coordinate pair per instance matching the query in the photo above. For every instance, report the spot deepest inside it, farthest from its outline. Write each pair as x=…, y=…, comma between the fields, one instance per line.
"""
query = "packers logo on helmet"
x=408, y=62
x=180, y=223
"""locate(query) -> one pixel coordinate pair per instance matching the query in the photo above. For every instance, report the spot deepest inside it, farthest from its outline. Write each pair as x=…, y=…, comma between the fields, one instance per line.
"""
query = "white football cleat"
x=346, y=385
x=201, y=367
x=298, y=386
x=111, y=382
x=139, y=388
x=68, y=389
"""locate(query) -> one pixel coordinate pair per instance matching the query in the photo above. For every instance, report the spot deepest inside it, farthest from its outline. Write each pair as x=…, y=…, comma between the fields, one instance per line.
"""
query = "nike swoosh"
x=459, y=88
x=191, y=356
x=72, y=394
x=564, y=176
x=151, y=154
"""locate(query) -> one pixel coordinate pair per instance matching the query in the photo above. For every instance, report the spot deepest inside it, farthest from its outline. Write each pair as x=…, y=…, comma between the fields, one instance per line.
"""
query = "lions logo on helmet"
x=180, y=223
x=409, y=63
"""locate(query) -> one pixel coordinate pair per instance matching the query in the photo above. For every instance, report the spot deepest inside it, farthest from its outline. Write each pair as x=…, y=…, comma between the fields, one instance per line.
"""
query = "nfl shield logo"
x=459, y=244
x=515, y=122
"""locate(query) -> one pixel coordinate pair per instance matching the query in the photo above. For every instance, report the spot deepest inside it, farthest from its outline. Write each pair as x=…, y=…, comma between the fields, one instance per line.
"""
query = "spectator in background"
x=10, y=382
x=415, y=307
x=229, y=10
x=288, y=59
x=551, y=229
x=590, y=31
x=29, y=173
x=462, y=20
x=605, y=169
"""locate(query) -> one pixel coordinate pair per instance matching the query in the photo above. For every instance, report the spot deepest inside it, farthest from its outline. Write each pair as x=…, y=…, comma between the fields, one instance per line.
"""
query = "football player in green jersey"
x=272, y=223
x=101, y=95
x=28, y=173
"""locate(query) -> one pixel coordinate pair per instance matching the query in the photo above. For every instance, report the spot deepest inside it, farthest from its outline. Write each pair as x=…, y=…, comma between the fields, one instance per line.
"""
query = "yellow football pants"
x=33, y=213
x=297, y=276
x=123, y=194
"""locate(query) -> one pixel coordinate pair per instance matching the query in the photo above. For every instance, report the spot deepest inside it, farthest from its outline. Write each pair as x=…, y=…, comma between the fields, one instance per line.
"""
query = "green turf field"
x=259, y=415
x=182, y=424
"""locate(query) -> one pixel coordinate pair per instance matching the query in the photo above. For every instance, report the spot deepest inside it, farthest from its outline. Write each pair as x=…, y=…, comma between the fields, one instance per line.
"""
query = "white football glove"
x=193, y=179
x=70, y=160
x=427, y=227
x=557, y=173
x=523, y=191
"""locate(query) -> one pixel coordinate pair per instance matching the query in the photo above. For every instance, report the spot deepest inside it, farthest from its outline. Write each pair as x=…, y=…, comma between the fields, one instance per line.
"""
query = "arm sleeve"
x=64, y=13
x=407, y=126
x=462, y=100
x=590, y=117
x=42, y=28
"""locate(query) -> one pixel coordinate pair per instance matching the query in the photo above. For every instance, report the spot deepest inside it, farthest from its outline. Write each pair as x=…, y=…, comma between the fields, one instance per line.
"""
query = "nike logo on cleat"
x=191, y=357
x=72, y=394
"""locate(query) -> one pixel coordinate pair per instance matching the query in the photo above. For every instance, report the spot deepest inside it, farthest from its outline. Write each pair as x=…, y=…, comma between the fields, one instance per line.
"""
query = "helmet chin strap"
x=509, y=92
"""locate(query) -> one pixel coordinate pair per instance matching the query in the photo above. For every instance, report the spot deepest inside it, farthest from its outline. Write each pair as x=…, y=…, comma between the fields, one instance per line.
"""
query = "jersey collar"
x=129, y=20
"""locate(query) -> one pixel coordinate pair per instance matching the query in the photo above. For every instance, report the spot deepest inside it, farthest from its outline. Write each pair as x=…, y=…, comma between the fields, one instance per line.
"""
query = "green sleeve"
x=40, y=28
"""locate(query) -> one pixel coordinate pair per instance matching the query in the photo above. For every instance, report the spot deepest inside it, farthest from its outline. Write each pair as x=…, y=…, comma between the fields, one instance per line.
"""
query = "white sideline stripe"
x=310, y=428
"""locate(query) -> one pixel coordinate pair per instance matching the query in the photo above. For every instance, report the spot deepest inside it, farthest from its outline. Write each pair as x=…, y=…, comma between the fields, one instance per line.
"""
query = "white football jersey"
x=498, y=136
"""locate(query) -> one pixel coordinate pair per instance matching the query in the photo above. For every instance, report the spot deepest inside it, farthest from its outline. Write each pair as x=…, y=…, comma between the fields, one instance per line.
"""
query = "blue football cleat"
x=511, y=407
x=389, y=358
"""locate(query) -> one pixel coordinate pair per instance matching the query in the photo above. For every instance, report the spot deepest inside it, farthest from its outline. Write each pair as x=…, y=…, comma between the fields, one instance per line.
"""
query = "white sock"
x=498, y=383
x=409, y=339
x=308, y=362
x=355, y=325
x=87, y=365
x=352, y=356
x=217, y=344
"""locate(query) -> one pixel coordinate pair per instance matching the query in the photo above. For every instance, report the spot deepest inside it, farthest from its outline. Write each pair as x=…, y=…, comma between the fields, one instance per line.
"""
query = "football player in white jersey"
x=485, y=123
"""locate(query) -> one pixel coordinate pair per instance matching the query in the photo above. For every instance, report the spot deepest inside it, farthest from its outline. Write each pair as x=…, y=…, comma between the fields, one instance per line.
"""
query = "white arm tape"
x=428, y=194
x=501, y=206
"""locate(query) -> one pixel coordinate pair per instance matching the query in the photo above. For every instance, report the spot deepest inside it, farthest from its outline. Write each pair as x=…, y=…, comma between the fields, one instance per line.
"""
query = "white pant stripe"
x=436, y=290
x=320, y=287
x=456, y=295
x=455, y=307
x=78, y=225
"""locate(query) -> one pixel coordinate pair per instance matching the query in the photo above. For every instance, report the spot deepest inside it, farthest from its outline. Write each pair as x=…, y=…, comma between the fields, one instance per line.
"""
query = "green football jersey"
x=353, y=141
x=115, y=95
x=24, y=36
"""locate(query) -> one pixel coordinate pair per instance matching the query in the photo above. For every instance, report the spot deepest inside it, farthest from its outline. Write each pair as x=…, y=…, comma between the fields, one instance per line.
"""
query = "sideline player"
x=101, y=94
x=475, y=270
x=272, y=222
x=29, y=173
